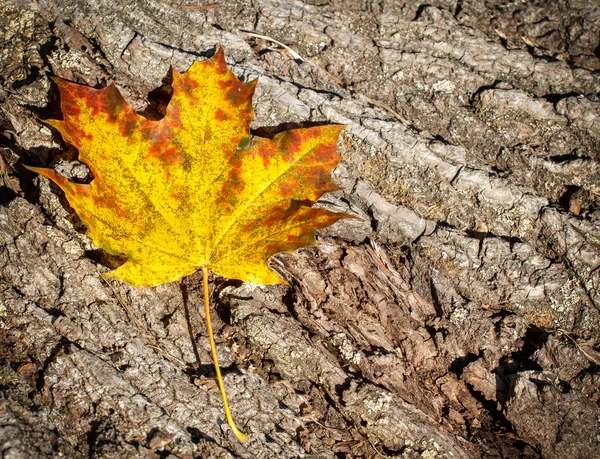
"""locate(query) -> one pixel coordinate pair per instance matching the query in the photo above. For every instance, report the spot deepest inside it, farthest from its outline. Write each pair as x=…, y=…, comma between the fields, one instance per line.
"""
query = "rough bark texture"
x=459, y=318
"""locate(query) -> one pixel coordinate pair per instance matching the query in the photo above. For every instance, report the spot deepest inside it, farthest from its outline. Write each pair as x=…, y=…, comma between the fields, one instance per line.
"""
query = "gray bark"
x=459, y=317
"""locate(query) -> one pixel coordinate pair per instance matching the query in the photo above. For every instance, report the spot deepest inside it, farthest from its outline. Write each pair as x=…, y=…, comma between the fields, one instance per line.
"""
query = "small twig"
x=294, y=54
x=376, y=450
x=568, y=335
x=193, y=7
x=312, y=419
x=198, y=7
x=528, y=41
x=387, y=108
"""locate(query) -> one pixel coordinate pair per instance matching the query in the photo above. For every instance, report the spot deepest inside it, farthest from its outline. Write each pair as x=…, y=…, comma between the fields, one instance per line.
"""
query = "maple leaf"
x=193, y=190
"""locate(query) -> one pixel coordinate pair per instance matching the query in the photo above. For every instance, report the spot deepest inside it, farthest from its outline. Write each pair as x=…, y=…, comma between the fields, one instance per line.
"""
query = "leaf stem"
x=242, y=437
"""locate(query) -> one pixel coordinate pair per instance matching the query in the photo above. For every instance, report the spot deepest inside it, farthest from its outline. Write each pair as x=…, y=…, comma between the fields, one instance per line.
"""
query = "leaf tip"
x=219, y=53
x=60, y=180
x=218, y=60
x=63, y=85
x=57, y=80
x=56, y=124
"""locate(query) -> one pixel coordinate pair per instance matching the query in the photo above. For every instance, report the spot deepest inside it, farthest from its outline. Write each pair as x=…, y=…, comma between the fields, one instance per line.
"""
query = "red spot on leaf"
x=161, y=135
x=76, y=135
x=184, y=84
x=288, y=189
x=176, y=191
x=105, y=196
x=233, y=184
x=263, y=150
x=221, y=115
x=238, y=94
x=107, y=101
x=68, y=103
x=128, y=125
x=290, y=143
x=227, y=85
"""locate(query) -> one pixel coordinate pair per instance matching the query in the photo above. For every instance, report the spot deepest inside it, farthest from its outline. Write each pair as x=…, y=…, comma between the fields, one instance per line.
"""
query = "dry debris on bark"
x=458, y=318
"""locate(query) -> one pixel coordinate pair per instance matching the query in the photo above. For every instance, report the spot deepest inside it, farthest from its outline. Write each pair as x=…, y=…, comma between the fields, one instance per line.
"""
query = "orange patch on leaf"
x=159, y=135
x=263, y=151
x=185, y=84
x=105, y=196
x=290, y=142
x=233, y=184
x=77, y=136
x=288, y=189
x=221, y=115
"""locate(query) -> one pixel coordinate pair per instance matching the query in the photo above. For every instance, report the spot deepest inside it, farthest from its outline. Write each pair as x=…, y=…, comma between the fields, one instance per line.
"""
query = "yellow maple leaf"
x=193, y=190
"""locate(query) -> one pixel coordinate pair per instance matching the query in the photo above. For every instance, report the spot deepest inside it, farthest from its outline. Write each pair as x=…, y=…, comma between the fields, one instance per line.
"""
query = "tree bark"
x=458, y=317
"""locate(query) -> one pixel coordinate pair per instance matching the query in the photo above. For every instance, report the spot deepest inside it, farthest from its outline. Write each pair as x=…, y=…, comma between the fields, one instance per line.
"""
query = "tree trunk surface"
x=457, y=318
